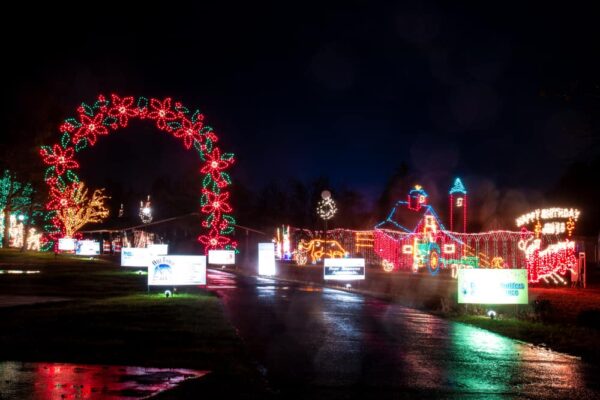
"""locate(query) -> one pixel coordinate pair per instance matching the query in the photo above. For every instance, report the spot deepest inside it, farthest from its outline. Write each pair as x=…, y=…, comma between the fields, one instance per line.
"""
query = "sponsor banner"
x=135, y=256
x=66, y=244
x=266, y=259
x=87, y=248
x=177, y=271
x=493, y=286
x=158, y=249
x=221, y=257
x=344, y=269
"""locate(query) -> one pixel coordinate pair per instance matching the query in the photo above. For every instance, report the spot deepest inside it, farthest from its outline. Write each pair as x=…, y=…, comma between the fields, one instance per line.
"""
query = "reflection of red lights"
x=73, y=381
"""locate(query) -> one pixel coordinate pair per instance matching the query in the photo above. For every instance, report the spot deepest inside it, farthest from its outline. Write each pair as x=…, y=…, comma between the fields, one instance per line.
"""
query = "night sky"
x=505, y=94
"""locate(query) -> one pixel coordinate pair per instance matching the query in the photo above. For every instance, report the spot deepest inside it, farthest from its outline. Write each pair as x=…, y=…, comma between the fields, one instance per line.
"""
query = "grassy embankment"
x=110, y=319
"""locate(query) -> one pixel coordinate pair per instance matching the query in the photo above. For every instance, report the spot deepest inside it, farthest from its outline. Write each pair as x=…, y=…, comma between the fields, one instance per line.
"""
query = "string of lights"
x=106, y=115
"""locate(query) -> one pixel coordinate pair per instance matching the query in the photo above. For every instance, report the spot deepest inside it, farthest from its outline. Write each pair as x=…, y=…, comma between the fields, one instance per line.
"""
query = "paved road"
x=315, y=342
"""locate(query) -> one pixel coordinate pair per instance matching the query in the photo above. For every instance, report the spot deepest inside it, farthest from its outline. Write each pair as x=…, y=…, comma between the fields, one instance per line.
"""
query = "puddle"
x=24, y=380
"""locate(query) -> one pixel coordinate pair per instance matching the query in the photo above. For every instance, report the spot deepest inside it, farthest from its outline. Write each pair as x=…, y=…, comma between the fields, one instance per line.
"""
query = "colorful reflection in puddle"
x=220, y=280
x=24, y=380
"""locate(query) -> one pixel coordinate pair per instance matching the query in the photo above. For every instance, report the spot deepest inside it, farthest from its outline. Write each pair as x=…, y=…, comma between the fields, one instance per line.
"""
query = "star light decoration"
x=326, y=208
x=105, y=115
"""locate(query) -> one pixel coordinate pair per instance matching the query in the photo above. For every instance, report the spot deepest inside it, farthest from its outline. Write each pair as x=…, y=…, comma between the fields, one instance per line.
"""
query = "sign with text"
x=492, y=286
x=344, y=269
x=177, y=271
x=87, y=248
x=221, y=257
x=66, y=244
x=135, y=257
x=158, y=249
x=266, y=259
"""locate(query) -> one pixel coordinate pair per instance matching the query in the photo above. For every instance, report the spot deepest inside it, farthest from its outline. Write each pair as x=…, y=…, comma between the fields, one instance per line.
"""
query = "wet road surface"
x=28, y=380
x=315, y=342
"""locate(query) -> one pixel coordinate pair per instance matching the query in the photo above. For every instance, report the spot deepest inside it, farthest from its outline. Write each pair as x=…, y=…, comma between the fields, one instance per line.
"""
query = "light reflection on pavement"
x=320, y=342
x=25, y=380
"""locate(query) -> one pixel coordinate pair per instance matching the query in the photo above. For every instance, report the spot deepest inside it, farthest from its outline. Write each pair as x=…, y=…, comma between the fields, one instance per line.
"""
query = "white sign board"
x=177, y=271
x=493, y=286
x=158, y=249
x=266, y=259
x=135, y=257
x=87, y=248
x=66, y=244
x=221, y=257
x=344, y=269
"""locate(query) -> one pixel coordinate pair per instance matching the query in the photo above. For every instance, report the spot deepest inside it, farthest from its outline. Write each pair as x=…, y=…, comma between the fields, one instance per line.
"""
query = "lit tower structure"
x=458, y=207
x=417, y=198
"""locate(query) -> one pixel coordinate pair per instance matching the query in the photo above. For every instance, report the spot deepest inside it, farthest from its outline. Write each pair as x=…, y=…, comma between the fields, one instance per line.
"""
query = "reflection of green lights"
x=484, y=360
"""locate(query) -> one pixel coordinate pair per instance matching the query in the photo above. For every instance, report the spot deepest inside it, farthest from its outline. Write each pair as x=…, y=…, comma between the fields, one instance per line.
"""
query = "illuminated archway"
x=104, y=116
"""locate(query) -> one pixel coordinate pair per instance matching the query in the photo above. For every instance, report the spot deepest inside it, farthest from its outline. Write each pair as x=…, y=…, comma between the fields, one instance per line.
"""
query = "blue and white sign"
x=177, y=271
x=135, y=256
x=87, y=248
x=266, y=259
x=493, y=286
x=344, y=269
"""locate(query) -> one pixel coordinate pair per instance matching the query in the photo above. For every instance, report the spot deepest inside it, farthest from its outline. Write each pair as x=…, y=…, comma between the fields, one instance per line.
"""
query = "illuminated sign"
x=66, y=244
x=135, y=256
x=459, y=202
x=87, y=248
x=158, y=249
x=548, y=214
x=492, y=286
x=266, y=259
x=177, y=271
x=221, y=257
x=344, y=269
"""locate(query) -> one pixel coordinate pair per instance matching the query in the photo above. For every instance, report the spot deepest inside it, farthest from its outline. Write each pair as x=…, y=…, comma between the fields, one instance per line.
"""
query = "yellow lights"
x=85, y=210
x=558, y=220
x=430, y=224
x=317, y=249
x=387, y=266
x=449, y=248
x=364, y=239
x=459, y=202
x=418, y=187
x=497, y=262
x=421, y=199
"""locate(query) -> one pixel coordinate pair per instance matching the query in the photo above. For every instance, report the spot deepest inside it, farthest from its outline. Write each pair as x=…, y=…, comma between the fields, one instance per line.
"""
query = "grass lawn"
x=110, y=319
x=564, y=338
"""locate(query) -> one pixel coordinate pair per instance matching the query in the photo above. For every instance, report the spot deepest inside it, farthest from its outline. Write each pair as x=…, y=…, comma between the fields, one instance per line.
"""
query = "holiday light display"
x=146, y=211
x=282, y=243
x=364, y=240
x=78, y=209
x=105, y=115
x=16, y=233
x=458, y=205
x=326, y=208
x=556, y=220
x=317, y=249
x=554, y=260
